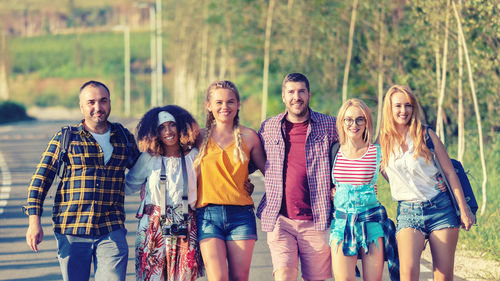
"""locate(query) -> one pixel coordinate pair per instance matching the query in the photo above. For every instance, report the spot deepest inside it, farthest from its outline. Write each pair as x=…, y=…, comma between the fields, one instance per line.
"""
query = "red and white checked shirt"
x=321, y=134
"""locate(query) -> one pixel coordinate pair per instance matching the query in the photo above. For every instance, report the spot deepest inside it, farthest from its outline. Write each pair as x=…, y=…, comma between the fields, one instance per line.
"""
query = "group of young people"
x=197, y=213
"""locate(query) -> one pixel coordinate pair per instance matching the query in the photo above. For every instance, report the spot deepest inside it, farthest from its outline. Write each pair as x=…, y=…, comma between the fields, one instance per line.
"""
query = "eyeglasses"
x=360, y=121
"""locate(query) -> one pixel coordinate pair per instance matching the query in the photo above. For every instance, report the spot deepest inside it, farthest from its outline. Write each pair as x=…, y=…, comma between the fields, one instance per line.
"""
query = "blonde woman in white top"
x=424, y=211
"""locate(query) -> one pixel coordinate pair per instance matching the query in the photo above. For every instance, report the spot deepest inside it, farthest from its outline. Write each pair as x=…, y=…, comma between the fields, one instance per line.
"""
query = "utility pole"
x=159, y=58
x=126, y=63
x=126, y=66
x=152, y=27
x=4, y=87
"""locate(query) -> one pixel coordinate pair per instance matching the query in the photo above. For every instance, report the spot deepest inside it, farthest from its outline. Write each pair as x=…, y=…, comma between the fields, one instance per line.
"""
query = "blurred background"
x=157, y=52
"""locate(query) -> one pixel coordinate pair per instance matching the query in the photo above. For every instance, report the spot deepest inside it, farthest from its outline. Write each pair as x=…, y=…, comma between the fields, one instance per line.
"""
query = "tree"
x=349, y=50
x=440, y=114
x=476, y=107
x=267, y=46
x=460, y=119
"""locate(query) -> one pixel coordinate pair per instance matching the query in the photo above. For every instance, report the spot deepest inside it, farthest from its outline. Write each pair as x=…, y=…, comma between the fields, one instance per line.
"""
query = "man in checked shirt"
x=88, y=214
x=295, y=211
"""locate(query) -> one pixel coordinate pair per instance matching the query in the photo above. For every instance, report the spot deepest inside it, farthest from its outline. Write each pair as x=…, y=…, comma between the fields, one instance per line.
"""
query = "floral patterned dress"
x=160, y=257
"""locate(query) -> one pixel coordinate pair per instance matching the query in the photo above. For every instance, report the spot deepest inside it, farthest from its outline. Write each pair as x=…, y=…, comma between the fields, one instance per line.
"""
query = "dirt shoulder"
x=471, y=265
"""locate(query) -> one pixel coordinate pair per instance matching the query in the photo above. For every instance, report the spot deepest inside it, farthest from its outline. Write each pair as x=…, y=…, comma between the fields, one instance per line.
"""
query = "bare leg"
x=410, y=247
x=239, y=254
x=286, y=274
x=373, y=262
x=214, y=255
x=343, y=266
x=443, y=243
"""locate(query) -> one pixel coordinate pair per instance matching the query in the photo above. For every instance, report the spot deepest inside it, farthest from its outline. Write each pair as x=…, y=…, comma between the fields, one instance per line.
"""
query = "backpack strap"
x=428, y=140
x=63, y=151
x=128, y=146
x=333, y=159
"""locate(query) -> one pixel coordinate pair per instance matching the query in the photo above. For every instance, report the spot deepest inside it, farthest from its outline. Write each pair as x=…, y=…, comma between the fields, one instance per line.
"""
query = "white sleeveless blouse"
x=411, y=179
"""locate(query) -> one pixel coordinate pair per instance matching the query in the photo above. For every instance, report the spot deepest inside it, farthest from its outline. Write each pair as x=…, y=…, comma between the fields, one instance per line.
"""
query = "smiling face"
x=168, y=134
x=354, y=123
x=402, y=109
x=296, y=99
x=223, y=104
x=95, y=105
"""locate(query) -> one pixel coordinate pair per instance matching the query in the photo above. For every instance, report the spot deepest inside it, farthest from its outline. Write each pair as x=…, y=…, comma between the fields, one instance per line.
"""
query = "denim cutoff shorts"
x=226, y=222
x=427, y=216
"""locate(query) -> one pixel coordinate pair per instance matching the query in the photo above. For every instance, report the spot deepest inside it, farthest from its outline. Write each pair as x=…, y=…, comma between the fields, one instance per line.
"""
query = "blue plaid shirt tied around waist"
x=377, y=214
x=90, y=197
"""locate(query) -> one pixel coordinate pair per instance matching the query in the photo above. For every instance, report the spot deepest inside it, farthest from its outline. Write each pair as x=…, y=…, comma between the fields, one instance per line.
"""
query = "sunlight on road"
x=6, y=183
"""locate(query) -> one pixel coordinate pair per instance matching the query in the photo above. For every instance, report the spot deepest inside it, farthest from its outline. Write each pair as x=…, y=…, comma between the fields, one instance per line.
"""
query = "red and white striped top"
x=358, y=171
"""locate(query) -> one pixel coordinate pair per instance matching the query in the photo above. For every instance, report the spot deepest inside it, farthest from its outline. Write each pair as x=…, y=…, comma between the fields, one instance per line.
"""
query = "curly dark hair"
x=148, y=132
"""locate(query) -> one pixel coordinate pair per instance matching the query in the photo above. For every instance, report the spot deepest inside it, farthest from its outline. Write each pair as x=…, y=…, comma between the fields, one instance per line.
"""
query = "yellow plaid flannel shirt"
x=90, y=197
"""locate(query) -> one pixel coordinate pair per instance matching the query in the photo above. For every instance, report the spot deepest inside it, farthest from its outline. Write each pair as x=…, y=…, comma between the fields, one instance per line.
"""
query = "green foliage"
x=12, y=111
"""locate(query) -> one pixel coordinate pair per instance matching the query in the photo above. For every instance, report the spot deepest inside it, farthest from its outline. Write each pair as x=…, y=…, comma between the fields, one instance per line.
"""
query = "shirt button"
x=97, y=184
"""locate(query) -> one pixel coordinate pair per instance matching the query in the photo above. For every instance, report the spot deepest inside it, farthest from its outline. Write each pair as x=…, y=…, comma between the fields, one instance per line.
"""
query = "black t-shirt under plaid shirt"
x=90, y=198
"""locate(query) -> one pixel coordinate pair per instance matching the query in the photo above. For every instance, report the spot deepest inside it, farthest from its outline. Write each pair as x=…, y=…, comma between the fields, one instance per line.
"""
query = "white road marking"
x=5, y=188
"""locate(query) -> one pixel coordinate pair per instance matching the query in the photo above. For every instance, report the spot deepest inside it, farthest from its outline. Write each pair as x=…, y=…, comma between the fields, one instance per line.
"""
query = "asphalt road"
x=21, y=146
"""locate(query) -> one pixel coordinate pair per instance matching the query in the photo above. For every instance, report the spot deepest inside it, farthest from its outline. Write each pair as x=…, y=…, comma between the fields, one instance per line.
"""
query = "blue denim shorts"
x=427, y=216
x=226, y=222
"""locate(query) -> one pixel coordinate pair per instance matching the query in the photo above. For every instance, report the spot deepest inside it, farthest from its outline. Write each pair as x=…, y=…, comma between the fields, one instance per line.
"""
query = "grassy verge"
x=483, y=237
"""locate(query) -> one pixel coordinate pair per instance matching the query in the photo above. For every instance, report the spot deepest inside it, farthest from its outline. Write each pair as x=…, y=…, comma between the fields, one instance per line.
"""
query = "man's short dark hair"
x=296, y=77
x=95, y=84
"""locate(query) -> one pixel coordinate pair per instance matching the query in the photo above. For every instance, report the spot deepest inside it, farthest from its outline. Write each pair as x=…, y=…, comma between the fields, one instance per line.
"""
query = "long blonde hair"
x=238, y=153
x=368, y=133
x=390, y=138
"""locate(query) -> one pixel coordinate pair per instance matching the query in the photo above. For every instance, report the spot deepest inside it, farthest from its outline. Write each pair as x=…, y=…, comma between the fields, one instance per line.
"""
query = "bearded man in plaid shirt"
x=295, y=210
x=88, y=214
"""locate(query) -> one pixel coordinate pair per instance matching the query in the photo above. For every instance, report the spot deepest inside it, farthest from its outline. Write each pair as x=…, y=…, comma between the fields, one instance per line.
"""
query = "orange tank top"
x=221, y=180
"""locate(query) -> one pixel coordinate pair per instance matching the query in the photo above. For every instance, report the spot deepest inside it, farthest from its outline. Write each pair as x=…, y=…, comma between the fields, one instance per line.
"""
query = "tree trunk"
x=230, y=45
x=438, y=64
x=476, y=108
x=440, y=114
x=461, y=119
x=380, y=76
x=349, y=50
x=267, y=47
x=223, y=62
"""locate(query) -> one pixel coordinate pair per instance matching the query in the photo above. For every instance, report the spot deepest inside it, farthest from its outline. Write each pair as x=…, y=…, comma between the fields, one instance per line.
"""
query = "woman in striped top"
x=360, y=220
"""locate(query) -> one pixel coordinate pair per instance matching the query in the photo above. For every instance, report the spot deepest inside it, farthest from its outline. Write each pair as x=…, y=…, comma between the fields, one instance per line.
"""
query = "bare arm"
x=451, y=176
x=34, y=235
x=257, y=154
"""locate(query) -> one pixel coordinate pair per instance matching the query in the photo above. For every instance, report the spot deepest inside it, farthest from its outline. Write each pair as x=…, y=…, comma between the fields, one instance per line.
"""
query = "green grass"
x=75, y=55
x=7, y=6
x=483, y=237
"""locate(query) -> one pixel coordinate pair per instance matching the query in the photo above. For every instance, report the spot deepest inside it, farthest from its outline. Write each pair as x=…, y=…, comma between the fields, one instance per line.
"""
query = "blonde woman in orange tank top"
x=225, y=212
